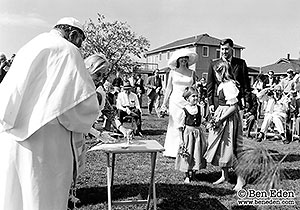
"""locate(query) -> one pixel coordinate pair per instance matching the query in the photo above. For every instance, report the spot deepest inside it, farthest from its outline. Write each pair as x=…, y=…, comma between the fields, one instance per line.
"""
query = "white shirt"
x=127, y=100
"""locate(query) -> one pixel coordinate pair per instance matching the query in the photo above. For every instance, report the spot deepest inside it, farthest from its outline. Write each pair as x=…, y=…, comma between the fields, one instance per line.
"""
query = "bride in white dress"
x=180, y=77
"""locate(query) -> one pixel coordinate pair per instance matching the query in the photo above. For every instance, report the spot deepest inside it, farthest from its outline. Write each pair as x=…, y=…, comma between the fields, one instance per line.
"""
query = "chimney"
x=288, y=56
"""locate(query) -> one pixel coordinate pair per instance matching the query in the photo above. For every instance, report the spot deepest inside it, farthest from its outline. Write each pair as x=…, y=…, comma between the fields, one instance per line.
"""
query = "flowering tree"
x=116, y=41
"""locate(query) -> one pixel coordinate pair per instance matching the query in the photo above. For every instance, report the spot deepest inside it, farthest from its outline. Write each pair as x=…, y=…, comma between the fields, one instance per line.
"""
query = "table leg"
x=152, y=182
x=108, y=168
x=112, y=170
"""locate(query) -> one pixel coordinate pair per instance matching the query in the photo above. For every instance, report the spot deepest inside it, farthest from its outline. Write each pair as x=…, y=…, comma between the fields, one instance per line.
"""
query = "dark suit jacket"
x=140, y=83
x=117, y=82
x=238, y=69
x=153, y=83
x=267, y=82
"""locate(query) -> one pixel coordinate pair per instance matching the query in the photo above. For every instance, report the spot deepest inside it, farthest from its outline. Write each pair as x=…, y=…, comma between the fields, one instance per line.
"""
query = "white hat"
x=96, y=62
x=183, y=53
x=71, y=22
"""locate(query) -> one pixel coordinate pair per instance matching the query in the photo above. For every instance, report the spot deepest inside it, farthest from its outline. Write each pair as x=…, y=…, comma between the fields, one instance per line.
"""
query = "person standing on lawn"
x=225, y=138
x=192, y=141
x=139, y=88
x=154, y=86
x=239, y=71
x=48, y=102
x=180, y=77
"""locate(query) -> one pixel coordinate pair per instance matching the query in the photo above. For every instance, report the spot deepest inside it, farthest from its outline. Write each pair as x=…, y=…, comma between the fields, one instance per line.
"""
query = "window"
x=159, y=57
x=205, y=51
x=168, y=55
x=218, y=53
x=233, y=52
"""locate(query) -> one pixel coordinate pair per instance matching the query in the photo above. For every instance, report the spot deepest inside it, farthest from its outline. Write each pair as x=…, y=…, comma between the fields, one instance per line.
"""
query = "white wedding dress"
x=176, y=103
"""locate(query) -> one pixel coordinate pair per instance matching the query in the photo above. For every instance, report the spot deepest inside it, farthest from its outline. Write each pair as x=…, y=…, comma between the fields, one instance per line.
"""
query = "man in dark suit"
x=239, y=71
x=154, y=86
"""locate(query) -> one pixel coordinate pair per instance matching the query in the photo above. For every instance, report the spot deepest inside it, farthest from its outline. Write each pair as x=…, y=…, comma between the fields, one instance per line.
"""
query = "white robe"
x=48, y=101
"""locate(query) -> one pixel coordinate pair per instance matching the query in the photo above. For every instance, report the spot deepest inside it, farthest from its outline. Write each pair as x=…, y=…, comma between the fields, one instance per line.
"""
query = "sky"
x=268, y=29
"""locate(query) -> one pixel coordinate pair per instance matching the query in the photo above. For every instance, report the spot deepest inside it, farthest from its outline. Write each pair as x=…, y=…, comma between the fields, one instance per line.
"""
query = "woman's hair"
x=188, y=91
x=224, y=66
x=178, y=64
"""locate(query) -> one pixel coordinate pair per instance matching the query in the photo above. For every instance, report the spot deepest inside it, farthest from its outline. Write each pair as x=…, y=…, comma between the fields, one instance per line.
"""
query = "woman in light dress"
x=180, y=77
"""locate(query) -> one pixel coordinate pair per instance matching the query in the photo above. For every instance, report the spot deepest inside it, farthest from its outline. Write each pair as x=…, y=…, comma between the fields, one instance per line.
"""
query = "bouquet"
x=211, y=124
x=183, y=152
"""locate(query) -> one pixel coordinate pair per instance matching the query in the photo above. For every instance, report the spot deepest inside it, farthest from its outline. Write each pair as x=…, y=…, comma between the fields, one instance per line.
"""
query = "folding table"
x=138, y=146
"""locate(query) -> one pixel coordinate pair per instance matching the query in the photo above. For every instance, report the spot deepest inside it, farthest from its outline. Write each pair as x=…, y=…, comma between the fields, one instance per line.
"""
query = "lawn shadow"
x=214, y=176
x=170, y=196
x=150, y=132
x=91, y=195
x=189, y=203
x=289, y=158
x=290, y=174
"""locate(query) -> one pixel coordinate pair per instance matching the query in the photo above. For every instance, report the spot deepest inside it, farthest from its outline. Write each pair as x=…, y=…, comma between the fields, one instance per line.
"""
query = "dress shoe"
x=286, y=141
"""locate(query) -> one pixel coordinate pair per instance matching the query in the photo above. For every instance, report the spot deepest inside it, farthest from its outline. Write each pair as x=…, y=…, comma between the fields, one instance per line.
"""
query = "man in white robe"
x=48, y=101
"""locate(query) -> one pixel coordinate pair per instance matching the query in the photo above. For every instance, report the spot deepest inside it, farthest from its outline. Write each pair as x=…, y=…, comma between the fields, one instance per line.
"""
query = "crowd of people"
x=51, y=97
x=277, y=98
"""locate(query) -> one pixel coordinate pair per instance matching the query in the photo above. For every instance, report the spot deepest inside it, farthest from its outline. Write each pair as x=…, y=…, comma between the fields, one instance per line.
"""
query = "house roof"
x=202, y=39
x=253, y=70
x=282, y=65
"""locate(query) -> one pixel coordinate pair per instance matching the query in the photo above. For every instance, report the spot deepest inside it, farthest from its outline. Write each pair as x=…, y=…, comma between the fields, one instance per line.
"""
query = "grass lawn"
x=132, y=174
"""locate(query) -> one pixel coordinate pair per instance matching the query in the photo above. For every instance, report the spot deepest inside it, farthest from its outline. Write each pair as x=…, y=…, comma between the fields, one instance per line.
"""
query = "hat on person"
x=127, y=85
x=71, y=22
x=2, y=56
x=290, y=70
x=96, y=62
x=183, y=53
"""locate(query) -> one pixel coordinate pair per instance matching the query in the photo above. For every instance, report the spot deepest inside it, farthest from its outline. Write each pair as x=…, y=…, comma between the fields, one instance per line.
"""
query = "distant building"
x=253, y=71
x=205, y=46
x=282, y=65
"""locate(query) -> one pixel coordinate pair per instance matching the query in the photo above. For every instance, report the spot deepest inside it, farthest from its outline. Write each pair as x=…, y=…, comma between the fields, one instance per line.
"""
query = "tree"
x=116, y=41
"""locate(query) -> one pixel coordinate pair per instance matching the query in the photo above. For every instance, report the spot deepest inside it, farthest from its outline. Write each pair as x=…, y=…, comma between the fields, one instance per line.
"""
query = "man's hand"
x=128, y=111
x=247, y=114
x=211, y=108
x=247, y=105
x=157, y=90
